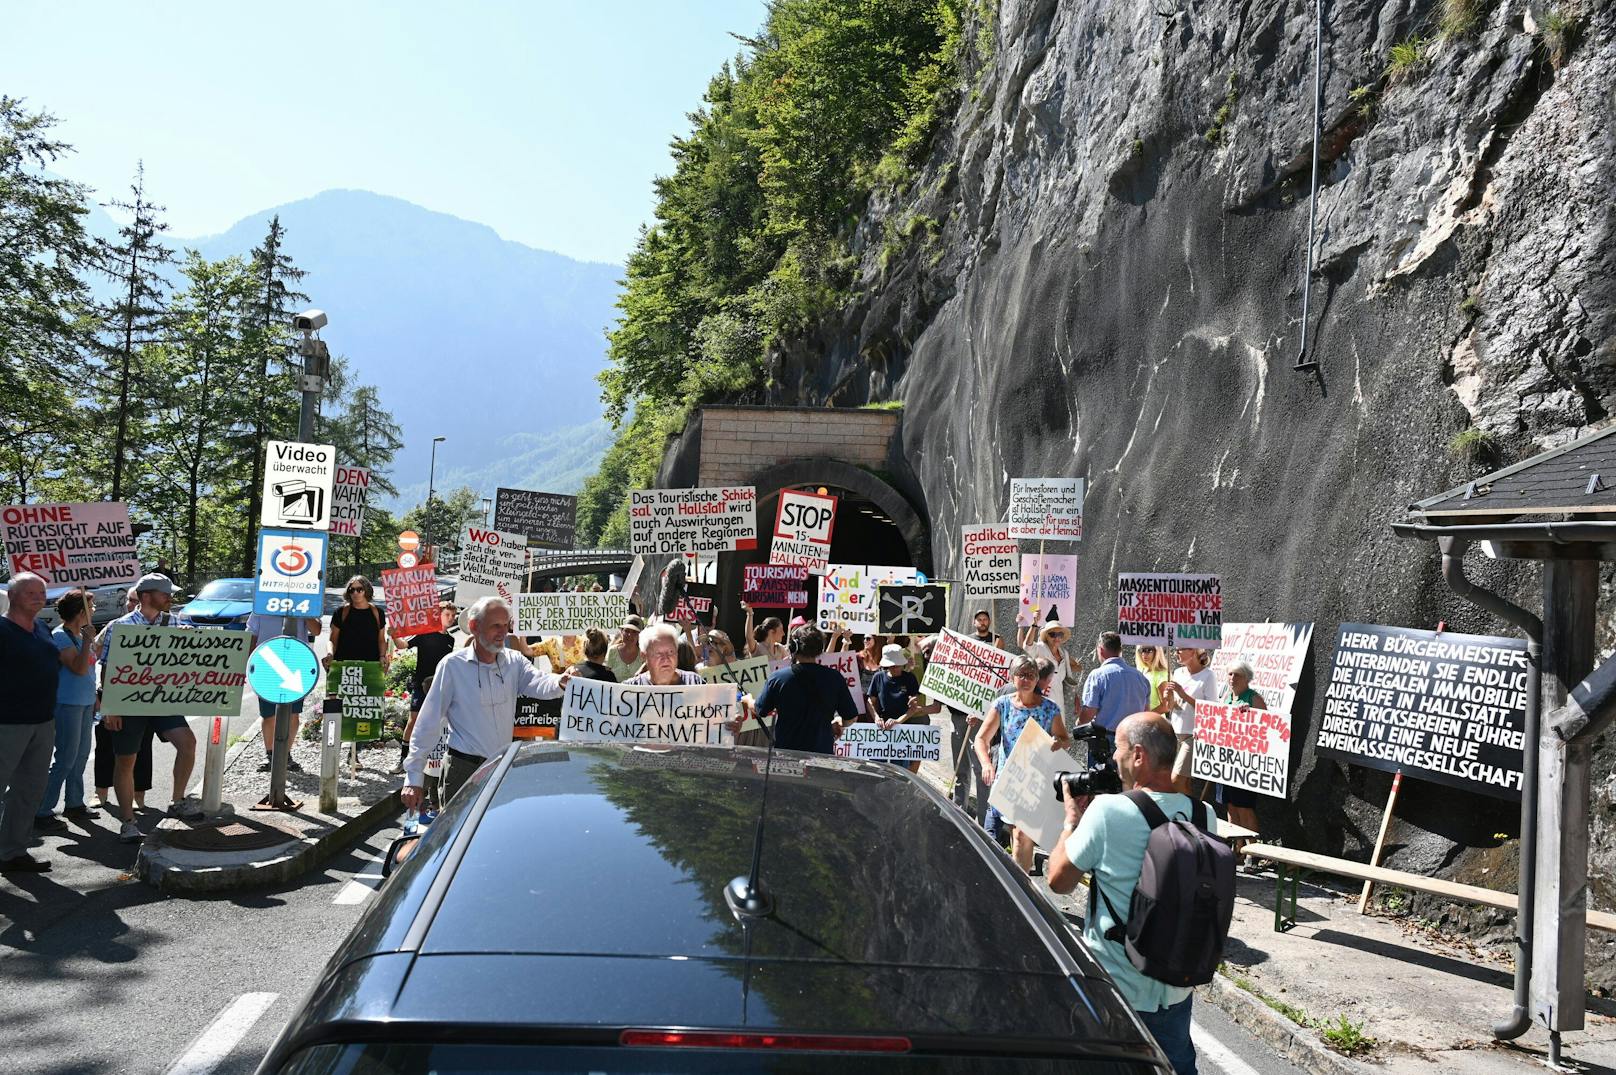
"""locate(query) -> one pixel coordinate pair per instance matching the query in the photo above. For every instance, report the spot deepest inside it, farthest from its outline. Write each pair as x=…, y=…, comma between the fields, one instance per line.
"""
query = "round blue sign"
x=282, y=670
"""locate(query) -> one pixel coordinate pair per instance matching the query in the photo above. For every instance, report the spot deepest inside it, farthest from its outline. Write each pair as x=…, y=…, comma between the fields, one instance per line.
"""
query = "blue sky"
x=546, y=121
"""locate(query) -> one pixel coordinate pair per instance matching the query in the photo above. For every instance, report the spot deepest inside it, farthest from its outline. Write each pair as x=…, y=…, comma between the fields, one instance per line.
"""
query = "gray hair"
x=1241, y=668
x=479, y=608
x=661, y=631
x=25, y=576
x=1151, y=733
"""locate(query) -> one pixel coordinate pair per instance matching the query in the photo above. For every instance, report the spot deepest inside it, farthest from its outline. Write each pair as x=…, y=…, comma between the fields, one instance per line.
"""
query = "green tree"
x=365, y=434
x=441, y=521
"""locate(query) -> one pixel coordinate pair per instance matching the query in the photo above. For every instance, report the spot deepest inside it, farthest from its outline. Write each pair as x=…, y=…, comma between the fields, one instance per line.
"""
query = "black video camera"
x=1102, y=779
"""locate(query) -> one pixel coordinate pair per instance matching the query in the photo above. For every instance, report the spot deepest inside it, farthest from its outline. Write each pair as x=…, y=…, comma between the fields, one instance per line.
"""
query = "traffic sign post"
x=282, y=671
x=291, y=574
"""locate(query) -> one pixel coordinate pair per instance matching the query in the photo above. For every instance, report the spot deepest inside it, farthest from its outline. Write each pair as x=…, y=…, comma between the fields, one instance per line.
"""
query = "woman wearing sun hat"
x=894, y=696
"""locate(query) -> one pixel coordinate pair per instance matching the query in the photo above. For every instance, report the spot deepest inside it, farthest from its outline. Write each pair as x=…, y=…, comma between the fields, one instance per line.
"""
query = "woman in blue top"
x=75, y=709
x=1007, y=716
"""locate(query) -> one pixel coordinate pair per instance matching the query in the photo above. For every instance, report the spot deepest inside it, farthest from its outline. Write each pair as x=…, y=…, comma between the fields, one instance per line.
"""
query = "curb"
x=1299, y=1045
x=286, y=861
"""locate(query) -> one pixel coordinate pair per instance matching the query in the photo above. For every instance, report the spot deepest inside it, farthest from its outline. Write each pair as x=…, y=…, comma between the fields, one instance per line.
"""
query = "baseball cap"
x=155, y=583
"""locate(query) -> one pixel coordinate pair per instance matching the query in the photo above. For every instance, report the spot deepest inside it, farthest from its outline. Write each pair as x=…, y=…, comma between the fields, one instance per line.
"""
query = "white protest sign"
x=748, y=675
x=1024, y=787
x=901, y=742
x=1048, y=590
x=1245, y=748
x=492, y=563
x=847, y=594
x=1049, y=509
x=553, y=614
x=297, y=485
x=662, y=521
x=71, y=544
x=617, y=712
x=990, y=562
x=802, y=529
x=348, y=501
x=846, y=664
x=1170, y=610
x=1276, y=653
x=964, y=673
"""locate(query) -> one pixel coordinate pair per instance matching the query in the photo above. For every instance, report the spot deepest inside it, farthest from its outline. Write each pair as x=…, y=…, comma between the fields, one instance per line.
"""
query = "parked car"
x=221, y=603
x=108, y=604
x=567, y=912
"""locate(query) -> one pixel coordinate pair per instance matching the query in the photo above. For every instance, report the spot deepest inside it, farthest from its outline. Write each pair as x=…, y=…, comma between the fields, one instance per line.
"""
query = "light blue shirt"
x=1117, y=691
x=1110, y=844
x=72, y=689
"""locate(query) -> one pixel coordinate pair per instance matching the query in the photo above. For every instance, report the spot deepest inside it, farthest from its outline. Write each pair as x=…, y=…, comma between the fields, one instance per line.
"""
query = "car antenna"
x=747, y=896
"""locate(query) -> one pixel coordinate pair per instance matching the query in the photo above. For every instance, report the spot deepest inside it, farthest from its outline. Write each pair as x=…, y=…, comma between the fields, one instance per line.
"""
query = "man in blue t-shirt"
x=810, y=702
x=28, y=664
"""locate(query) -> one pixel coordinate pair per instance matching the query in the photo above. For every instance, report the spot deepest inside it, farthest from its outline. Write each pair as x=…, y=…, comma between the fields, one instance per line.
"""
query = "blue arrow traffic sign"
x=282, y=670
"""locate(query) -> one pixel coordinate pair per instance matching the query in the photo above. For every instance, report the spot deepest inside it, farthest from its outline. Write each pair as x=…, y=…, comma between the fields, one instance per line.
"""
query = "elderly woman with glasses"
x=1240, y=803
x=1048, y=643
x=660, y=644
x=359, y=628
x=1007, y=717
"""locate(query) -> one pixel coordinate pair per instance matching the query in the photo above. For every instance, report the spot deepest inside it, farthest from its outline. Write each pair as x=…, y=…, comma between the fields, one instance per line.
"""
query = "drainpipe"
x=1453, y=550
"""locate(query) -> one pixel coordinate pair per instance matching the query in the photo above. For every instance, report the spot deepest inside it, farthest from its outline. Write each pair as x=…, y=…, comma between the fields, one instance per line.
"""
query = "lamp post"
x=488, y=506
x=431, y=480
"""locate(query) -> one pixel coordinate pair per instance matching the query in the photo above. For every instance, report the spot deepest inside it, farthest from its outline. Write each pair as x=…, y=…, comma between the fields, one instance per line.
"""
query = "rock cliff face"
x=1099, y=272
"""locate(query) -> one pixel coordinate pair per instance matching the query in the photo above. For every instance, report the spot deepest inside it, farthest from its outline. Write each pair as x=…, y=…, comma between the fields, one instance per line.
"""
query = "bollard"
x=330, y=746
x=213, y=766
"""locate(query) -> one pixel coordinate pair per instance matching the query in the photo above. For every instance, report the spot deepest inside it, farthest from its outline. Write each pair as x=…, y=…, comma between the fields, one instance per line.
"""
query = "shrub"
x=1472, y=445
x=1461, y=17
x=1408, y=59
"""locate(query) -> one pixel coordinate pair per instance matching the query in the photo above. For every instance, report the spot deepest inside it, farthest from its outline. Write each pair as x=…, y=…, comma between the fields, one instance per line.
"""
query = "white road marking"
x=1220, y=1055
x=354, y=891
x=215, y=1043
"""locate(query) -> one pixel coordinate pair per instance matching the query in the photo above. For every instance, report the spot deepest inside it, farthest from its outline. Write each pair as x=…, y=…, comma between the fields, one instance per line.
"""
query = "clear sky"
x=544, y=120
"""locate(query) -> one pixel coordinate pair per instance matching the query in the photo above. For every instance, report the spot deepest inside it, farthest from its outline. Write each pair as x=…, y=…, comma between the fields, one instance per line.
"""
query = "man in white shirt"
x=475, y=692
x=1193, y=681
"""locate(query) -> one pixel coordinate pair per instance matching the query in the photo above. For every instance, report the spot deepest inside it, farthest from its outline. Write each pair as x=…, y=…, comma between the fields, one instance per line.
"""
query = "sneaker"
x=266, y=767
x=49, y=823
x=24, y=863
x=185, y=810
x=81, y=812
x=130, y=833
x=292, y=766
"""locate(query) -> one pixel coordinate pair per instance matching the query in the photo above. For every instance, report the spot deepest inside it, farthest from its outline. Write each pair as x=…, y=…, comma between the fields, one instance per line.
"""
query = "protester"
x=869, y=659
x=359, y=628
x=1050, y=644
x=594, y=665
x=262, y=628
x=811, y=702
x=662, y=641
x=104, y=758
x=1008, y=716
x=29, y=662
x=687, y=655
x=1240, y=803
x=155, y=594
x=624, y=658
x=430, y=649
x=982, y=629
x=966, y=760
x=474, y=690
x=718, y=650
x=1111, y=692
x=1193, y=681
x=767, y=638
x=894, y=696
x=1152, y=661
x=75, y=709
x=1106, y=835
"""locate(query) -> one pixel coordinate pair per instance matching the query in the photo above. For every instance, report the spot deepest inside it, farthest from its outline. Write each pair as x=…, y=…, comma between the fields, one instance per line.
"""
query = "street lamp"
x=431, y=480
x=488, y=506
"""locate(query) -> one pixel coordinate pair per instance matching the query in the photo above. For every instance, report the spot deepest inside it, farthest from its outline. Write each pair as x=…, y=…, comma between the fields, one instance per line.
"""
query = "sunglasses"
x=356, y=589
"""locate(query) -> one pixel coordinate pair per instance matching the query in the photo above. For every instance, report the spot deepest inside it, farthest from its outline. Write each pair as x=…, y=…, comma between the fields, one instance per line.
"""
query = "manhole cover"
x=231, y=836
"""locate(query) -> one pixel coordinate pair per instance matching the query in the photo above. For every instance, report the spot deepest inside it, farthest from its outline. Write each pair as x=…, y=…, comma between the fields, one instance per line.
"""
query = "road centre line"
x=1221, y=1056
x=222, y=1035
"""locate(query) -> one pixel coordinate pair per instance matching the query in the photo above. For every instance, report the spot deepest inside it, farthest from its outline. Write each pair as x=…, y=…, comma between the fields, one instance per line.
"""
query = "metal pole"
x=1303, y=362
x=330, y=747
x=431, y=482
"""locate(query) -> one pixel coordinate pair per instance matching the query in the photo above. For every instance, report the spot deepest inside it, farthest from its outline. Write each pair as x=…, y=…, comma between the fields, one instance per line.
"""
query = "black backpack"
x=1178, y=919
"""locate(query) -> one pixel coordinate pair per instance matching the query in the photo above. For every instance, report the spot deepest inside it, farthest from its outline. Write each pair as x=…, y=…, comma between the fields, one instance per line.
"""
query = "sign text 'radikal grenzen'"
x=1241, y=747
x=617, y=712
x=1446, y=707
x=990, y=562
x=549, y=520
x=1049, y=509
x=173, y=671
x=348, y=501
x=412, y=599
x=662, y=521
x=71, y=544
x=360, y=687
x=774, y=586
x=901, y=742
x=555, y=614
x=803, y=524
x=492, y=563
x=1170, y=610
x=964, y=673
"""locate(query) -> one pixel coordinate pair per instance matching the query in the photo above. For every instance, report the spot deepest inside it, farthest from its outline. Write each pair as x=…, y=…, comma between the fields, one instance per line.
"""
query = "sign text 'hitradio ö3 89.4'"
x=297, y=485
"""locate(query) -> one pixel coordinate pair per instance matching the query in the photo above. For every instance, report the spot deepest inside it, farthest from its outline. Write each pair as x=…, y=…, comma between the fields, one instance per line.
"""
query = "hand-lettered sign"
x=912, y=610
x=557, y=614
x=774, y=586
x=1276, y=652
x=549, y=520
x=1241, y=747
x=1049, y=509
x=964, y=673
x=802, y=530
x=901, y=742
x=1048, y=590
x=618, y=712
x=71, y=544
x=174, y=671
x=663, y=521
x=492, y=563
x=412, y=600
x=360, y=687
x=348, y=501
x=990, y=564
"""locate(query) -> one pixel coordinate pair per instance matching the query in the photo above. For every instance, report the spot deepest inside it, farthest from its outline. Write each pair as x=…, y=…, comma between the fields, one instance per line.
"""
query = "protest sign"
x=696, y=604
x=297, y=485
x=1049, y=509
x=492, y=563
x=901, y=742
x=846, y=665
x=990, y=563
x=71, y=544
x=847, y=593
x=554, y=614
x=549, y=520
x=360, y=687
x=1445, y=707
x=1244, y=748
x=911, y=610
x=1276, y=652
x=434, y=760
x=774, y=586
x=537, y=718
x=1024, y=787
x=964, y=673
x=291, y=573
x=1170, y=610
x=348, y=501
x=616, y=712
x=174, y=671
x=411, y=594
x=802, y=528
x=662, y=521
x=1048, y=590
x=748, y=675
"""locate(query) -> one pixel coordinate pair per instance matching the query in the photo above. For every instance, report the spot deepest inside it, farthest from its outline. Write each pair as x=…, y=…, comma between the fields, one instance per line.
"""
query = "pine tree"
x=365, y=434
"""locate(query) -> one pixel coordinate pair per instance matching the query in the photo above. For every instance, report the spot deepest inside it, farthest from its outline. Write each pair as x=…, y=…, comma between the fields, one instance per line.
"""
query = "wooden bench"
x=1291, y=865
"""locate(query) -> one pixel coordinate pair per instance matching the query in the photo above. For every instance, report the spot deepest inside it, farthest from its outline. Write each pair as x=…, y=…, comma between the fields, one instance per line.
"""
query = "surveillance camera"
x=309, y=321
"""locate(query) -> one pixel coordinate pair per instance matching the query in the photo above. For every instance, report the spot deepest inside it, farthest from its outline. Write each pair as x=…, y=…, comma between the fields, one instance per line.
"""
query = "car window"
x=227, y=590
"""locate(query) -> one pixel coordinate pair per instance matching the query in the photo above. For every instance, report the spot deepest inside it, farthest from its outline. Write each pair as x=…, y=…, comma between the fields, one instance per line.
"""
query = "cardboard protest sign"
x=990, y=563
x=537, y=718
x=1024, y=787
x=617, y=712
x=174, y=671
x=492, y=563
x=802, y=528
x=1048, y=590
x=774, y=586
x=1049, y=509
x=412, y=600
x=662, y=521
x=297, y=485
x=911, y=610
x=696, y=604
x=1170, y=610
x=434, y=760
x=1244, y=748
x=549, y=520
x=748, y=675
x=901, y=742
x=360, y=687
x=1276, y=652
x=847, y=594
x=554, y=614
x=846, y=664
x=1445, y=707
x=348, y=501
x=71, y=544
x=964, y=673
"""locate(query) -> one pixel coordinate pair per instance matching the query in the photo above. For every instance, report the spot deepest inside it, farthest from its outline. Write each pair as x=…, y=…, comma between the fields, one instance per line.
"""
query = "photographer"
x=1106, y=836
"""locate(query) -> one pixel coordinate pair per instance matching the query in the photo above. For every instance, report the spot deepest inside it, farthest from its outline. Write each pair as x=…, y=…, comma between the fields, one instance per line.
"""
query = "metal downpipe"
x=1453, y=551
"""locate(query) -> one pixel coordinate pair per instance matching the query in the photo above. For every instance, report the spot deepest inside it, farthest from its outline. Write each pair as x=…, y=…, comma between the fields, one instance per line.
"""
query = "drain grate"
x=238, y=835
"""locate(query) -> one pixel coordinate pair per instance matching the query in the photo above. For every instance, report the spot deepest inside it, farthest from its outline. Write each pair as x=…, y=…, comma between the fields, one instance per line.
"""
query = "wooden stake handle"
x=1380, y=841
